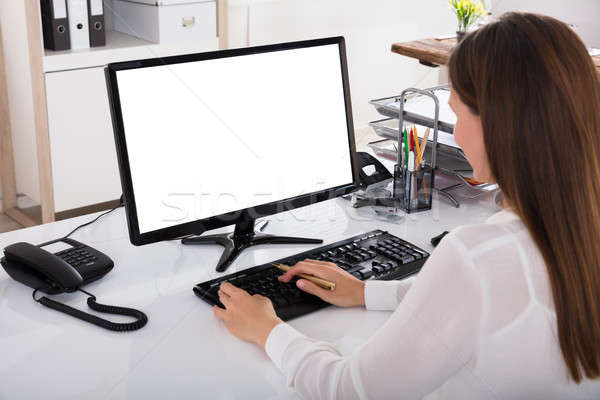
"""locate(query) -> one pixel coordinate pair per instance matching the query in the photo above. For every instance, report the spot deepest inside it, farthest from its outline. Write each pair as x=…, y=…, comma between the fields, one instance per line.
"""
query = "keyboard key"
x=378, y=269
x=406, y=259
x=239, y=282
x=366, y=273
x=295, y=297
x=353, y=258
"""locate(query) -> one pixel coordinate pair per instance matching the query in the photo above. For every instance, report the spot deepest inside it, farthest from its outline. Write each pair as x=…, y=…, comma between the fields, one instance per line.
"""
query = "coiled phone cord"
x=141, y=318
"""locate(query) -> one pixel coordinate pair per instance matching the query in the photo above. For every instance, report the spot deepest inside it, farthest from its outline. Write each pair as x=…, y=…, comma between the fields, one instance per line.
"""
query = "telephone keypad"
x=78, y=257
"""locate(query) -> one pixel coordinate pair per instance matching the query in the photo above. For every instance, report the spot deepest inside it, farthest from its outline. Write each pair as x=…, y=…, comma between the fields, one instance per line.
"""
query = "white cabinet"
x=82, y=148
x=64, y=150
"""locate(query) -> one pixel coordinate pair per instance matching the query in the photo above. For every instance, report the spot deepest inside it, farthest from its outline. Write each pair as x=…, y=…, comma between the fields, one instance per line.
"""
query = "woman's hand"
x=250, y=318
x=349, y=291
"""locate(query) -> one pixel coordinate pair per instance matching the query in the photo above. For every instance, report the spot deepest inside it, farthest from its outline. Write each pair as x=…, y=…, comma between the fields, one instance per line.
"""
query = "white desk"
x=183, y=352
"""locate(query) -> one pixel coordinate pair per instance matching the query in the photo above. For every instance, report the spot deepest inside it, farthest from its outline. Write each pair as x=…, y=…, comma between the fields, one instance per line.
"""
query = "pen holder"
x=413, y=189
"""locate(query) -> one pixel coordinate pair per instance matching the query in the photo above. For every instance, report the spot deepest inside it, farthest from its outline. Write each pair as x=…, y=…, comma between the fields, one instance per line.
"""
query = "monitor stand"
x=242, y=237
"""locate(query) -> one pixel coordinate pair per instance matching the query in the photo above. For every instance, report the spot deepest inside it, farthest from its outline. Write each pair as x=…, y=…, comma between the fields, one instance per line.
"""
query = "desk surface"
x=437, y=51
x=183, y=352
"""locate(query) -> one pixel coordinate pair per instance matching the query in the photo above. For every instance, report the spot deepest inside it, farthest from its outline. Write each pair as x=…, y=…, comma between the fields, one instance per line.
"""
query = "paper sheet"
x=423, y=105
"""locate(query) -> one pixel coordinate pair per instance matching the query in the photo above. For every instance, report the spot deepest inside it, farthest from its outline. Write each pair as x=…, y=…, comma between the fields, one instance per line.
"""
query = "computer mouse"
x=437, y=239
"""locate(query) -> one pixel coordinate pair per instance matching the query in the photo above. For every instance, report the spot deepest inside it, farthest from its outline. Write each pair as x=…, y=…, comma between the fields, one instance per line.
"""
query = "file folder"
x=55, y=25
x=79, y=23
x=96, y=23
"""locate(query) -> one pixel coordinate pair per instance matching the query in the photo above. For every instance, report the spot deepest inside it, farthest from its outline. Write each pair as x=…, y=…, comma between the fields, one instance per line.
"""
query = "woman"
x=504, y=309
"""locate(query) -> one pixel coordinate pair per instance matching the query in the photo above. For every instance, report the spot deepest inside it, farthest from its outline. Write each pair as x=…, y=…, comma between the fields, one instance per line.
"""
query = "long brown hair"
x=534, y=85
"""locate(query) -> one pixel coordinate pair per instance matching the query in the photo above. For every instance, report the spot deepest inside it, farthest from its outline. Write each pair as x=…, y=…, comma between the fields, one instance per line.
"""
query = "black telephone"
x=59, y=266
x=64, y=265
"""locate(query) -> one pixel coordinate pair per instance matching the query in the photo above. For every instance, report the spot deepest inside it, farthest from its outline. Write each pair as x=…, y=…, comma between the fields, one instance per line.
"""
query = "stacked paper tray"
x=450, y=159
x=388, y=128
x=420, y=110
x=450, y=162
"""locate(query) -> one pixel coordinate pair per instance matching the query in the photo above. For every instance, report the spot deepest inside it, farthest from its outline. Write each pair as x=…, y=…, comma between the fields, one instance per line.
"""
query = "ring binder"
x=79, y=23
x=96, y=23
x=55, y=25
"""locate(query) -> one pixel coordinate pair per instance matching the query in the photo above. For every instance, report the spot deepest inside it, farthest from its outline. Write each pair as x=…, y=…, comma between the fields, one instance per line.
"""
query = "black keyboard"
x=373, y=255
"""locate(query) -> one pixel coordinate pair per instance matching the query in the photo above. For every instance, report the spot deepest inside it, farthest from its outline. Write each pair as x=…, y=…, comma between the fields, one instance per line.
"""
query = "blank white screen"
x=209, y=137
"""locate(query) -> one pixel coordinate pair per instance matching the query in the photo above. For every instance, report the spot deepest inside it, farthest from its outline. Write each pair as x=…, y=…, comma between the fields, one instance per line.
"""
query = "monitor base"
x=243, y=237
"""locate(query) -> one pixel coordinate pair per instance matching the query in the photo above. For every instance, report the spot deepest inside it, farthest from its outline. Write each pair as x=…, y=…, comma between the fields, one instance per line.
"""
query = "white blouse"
x=477, y=322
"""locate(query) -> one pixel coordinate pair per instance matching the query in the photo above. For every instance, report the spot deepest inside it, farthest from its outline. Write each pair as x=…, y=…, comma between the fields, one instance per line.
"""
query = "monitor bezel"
x=202, y=225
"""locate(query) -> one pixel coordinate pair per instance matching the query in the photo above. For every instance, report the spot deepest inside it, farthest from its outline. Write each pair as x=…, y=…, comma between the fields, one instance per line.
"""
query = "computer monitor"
x=221, y=138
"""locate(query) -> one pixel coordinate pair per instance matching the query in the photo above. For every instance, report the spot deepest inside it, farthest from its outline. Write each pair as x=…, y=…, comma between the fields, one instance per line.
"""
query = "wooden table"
x=433, y=52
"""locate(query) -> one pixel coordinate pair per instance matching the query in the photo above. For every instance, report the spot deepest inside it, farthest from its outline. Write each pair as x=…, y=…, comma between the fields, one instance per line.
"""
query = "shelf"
x=121, y=47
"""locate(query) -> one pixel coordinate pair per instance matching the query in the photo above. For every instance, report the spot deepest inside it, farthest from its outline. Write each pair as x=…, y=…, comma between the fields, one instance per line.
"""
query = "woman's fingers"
x=317, y=262
x=303, y=267
x=312, y=288
x=219, y=312
x=229, y=289
x=224, y=298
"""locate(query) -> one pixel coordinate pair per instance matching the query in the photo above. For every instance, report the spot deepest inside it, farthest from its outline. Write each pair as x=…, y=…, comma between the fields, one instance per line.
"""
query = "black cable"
x=264, y=225
x=141, y=318
x=92, y=221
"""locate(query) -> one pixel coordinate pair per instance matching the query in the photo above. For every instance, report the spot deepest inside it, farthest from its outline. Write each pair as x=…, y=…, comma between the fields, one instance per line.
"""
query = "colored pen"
x=400, y=143
x=418, y=150
x=321, y=282
x=425, y=141
x=406, y=144
x=411, y=177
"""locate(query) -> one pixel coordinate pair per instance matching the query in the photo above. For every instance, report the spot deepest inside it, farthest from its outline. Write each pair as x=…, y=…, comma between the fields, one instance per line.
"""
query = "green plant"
x=467, y=12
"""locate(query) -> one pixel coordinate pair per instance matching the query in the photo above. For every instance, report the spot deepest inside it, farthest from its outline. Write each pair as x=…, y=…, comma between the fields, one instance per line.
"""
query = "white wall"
x=20, y=99
x=583, y=14
x=370, y=28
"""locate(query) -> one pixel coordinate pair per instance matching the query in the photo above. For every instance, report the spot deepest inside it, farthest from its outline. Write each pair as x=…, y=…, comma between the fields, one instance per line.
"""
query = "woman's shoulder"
x=500, y=230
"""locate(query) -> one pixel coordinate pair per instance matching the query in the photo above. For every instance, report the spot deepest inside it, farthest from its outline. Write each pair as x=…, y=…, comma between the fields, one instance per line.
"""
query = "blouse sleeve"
x=430, y=337
x=386, y=295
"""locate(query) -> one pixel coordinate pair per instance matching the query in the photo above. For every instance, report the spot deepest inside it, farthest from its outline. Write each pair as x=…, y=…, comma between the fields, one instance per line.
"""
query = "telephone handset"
x=40, y=269
x=64, y=265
